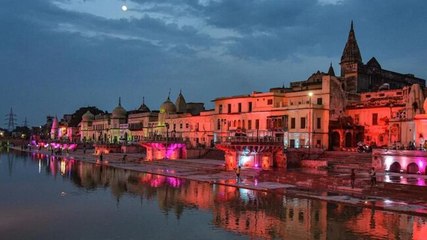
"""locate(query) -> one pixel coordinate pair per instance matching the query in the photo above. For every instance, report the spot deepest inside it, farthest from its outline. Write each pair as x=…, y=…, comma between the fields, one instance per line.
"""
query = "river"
x=43, y=197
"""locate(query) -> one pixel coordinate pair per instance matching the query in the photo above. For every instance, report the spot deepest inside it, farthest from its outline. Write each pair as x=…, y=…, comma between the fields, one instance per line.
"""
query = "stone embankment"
x=405, y=195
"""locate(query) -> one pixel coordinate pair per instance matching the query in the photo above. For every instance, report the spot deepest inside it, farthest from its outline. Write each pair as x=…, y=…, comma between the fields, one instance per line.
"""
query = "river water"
x=42, y=197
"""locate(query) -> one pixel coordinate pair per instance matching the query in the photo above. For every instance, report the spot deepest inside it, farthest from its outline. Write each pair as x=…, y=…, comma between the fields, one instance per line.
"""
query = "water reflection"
x=251, y=213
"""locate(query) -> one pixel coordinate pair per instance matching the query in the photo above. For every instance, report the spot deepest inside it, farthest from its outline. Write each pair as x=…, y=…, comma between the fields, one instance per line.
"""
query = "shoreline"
x=213, y=172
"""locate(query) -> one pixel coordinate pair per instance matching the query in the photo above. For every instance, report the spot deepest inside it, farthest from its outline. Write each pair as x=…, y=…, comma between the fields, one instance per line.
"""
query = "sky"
x=59, y=55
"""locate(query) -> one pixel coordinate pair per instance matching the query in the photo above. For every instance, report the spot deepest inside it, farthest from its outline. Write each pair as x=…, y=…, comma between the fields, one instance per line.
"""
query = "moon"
x=124, y=8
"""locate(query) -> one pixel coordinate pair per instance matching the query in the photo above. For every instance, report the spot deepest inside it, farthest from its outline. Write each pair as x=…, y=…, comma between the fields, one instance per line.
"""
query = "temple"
x=364, y=104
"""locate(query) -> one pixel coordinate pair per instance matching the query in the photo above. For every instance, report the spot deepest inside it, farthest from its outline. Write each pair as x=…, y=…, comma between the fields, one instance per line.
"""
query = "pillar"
x=230, y=160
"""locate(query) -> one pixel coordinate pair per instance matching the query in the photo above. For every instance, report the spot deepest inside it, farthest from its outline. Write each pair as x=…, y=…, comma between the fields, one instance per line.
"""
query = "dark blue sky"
x=59, y=55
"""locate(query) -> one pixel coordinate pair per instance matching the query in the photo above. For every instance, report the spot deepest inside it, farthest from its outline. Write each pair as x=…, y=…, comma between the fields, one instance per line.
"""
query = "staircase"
x=344, y=161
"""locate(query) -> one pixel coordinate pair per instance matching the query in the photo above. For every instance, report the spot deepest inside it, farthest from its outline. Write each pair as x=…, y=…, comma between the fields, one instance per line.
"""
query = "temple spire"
x=120, y=101
x=351, y=51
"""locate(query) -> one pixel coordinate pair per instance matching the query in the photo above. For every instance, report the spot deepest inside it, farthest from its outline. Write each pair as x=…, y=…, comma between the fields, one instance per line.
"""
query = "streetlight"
x=310, y=94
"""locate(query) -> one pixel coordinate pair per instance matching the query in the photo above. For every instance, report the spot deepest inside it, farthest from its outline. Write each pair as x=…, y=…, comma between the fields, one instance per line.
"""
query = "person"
x=238, y=169
x=100, y=157
x=124, y=158
x=373, y=175
x=352, y=177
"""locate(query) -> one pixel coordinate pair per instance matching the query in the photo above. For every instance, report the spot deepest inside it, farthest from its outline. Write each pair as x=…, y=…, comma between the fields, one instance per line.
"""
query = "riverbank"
x=322, y=185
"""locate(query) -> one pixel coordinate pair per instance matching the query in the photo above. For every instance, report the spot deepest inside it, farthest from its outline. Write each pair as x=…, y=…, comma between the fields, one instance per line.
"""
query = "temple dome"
x=168, y=107
x=88, y=116
x=119, y=111
x=143, y=107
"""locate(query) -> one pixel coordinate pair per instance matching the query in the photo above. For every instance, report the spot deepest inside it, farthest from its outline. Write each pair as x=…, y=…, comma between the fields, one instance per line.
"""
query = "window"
x=318, y=123
x=285, y=122
x=249, y=124
x=187, y=125
x=250, y=107
x=292, y=123
x=229, y=108
x=257, y=124
x=375, y=119
x=270, y=102
x=180, y=125
x=243, y=124
x=319, y=101
x=292, y=143
x=220, y=108
x=302, y=122
x=218, y=125
x=239, y=107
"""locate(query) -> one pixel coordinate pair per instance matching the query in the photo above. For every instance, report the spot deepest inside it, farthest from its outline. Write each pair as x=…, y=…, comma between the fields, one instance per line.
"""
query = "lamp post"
x=310, y=94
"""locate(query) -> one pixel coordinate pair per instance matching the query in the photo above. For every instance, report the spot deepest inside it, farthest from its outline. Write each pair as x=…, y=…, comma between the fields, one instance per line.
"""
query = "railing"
x=245, y=139
x=162, y=139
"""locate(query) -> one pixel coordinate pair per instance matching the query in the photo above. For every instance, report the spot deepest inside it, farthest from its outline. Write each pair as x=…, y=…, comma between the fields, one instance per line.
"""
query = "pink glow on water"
x=174, y=182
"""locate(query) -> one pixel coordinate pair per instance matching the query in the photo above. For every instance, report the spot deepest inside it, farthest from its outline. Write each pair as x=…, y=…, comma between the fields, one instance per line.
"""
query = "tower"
x=351, y=62
x=11, y=120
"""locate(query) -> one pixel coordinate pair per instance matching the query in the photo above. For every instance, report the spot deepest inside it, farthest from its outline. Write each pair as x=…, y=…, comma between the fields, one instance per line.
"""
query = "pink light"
x=421, y=182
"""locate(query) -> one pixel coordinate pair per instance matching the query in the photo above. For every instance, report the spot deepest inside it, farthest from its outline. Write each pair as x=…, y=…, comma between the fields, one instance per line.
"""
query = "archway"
x=348, y=140
x=395, y=167
x=359, y=137
x=334, y=140
x=412, y=168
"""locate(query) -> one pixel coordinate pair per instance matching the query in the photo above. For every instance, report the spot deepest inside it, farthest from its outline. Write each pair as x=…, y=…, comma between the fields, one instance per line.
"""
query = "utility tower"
x=10, y=120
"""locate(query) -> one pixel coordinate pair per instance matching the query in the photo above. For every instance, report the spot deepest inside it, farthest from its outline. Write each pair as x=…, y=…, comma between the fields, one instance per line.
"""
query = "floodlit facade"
x=365, y=103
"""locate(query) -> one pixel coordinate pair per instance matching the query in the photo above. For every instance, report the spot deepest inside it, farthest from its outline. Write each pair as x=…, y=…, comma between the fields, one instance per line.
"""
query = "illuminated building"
x=365, y=103
x=359, y=77
x=387, y=116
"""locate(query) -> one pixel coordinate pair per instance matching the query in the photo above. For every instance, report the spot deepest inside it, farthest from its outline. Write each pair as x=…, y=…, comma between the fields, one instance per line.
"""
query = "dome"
x=143, y=107
x=181, y=105
x=88, y=116
x=119, y=111
x=168, y=107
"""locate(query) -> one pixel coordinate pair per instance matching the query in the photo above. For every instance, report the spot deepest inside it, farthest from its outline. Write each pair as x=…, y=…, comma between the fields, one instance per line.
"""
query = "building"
x=359, y=77
x=366, y=103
